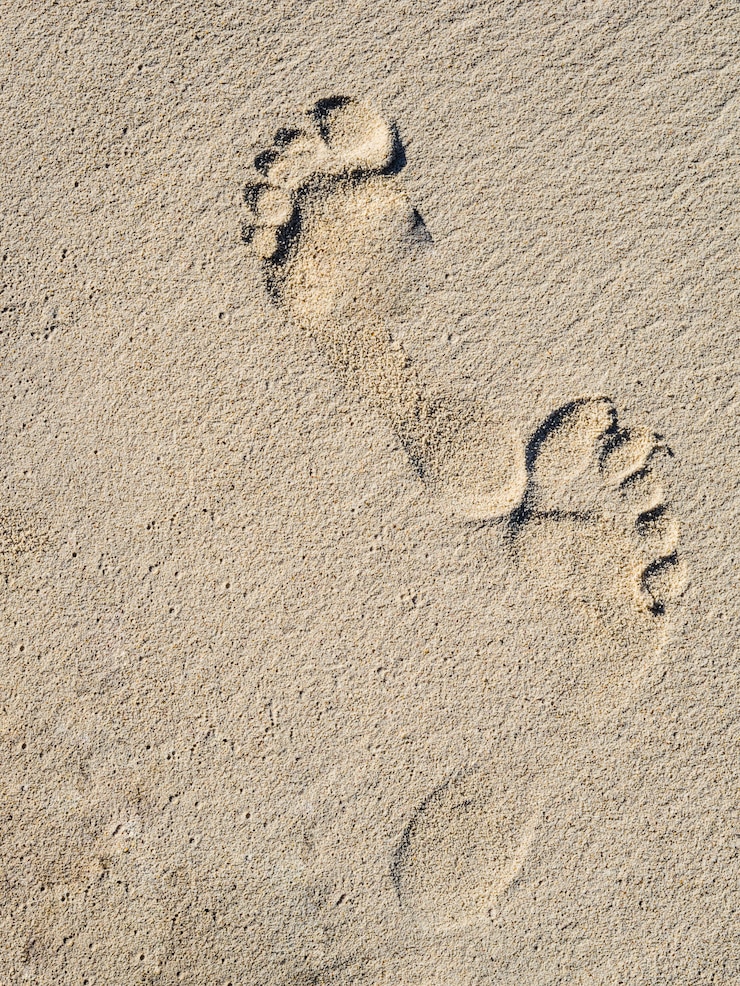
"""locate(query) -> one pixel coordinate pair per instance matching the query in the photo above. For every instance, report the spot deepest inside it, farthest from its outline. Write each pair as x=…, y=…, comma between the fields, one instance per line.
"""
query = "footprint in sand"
x=588, y=526
x=462, y=848
x=335, y=234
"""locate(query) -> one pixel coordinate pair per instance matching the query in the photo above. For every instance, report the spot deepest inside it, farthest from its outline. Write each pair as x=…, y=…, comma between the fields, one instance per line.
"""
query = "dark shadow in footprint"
x=551, y=424
x=398, y=154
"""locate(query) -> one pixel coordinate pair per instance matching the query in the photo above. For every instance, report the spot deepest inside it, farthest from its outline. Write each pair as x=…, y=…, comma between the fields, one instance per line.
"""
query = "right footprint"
x=597, y=541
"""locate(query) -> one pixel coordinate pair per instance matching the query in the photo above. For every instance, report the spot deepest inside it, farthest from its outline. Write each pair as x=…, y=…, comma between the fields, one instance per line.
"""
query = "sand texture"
x=369, y=494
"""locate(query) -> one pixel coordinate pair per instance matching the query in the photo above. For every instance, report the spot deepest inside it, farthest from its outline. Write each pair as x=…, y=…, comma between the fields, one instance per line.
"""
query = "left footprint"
x=340, y=247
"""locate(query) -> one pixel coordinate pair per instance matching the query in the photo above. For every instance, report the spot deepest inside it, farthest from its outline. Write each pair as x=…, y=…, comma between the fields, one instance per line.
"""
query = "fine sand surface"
x=369, y=505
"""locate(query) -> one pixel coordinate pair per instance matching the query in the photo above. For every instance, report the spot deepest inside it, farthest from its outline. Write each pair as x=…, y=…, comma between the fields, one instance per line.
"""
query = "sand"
x=368, y=559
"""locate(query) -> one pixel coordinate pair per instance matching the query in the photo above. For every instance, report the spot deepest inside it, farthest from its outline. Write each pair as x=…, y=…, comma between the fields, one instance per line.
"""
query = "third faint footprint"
x=463, y=847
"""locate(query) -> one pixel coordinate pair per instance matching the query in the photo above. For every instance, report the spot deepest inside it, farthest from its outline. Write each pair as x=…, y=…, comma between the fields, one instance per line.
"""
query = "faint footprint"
x=462, y=849
x=337, y=239
x=598, y=544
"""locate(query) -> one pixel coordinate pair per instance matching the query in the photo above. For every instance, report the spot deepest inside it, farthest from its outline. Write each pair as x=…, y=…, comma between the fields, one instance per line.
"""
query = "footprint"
x=339, y=241
x=598, y=544
x=462, y=849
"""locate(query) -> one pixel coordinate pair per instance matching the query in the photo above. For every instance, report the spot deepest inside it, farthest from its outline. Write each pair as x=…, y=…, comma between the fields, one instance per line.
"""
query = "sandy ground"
x=368, y=560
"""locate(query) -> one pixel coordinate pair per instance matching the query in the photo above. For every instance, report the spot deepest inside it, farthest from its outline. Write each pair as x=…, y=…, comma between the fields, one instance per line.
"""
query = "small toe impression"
x=264, y=161
x=658, y=526
x=641, y=492
x=263, y=240
x=662, y=582
x=274, y=206
x=285, y=136
x=251, y=194
x=268, y=209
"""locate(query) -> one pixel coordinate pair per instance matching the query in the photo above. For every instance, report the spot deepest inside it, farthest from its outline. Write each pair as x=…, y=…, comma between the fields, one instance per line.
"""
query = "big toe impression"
x=358, y=136
x=563, y=448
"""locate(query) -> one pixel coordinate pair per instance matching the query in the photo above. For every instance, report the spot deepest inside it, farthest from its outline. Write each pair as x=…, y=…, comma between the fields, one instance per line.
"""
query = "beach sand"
x=369, y=507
